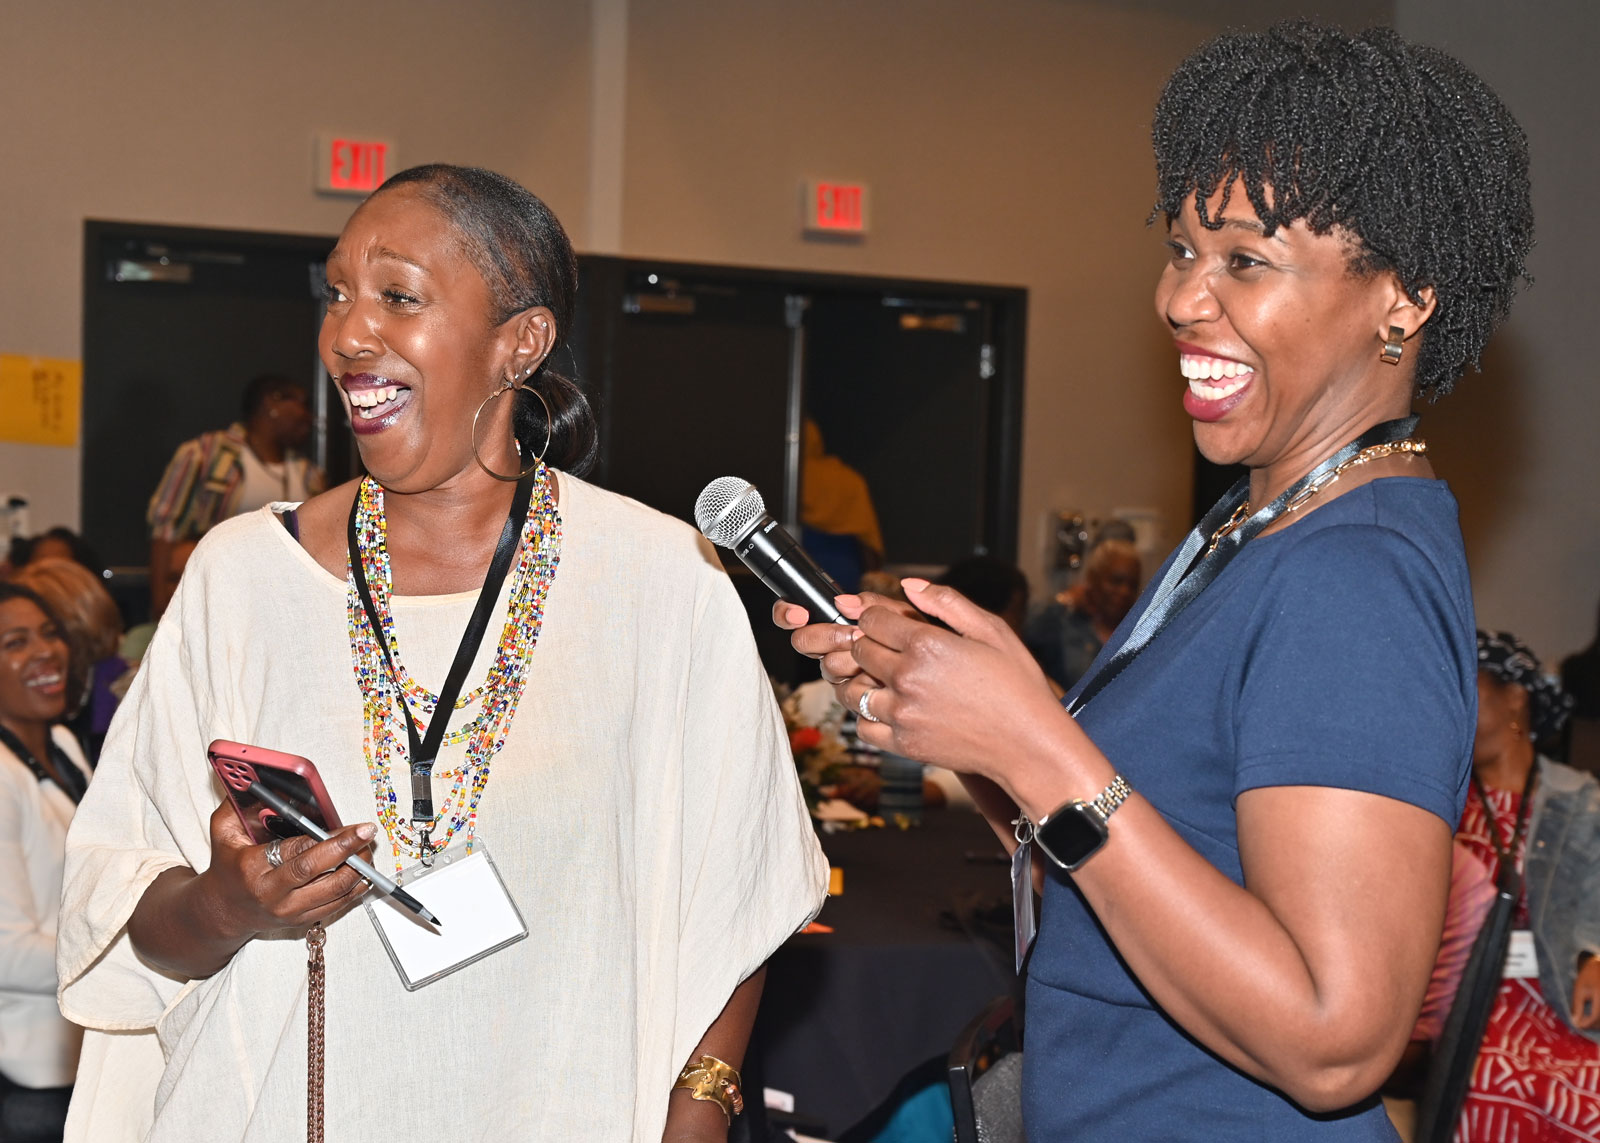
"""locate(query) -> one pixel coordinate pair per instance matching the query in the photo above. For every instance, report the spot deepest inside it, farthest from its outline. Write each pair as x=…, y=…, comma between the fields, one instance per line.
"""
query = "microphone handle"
x=783, y=565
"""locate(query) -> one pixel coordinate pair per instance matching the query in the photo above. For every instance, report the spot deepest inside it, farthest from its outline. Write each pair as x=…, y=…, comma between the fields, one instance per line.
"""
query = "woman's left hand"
x=1586, y=995
x=970, y=699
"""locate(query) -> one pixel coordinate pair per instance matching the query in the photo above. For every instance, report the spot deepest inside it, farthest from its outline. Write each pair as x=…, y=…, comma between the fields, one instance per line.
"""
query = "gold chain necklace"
x=1411, y=446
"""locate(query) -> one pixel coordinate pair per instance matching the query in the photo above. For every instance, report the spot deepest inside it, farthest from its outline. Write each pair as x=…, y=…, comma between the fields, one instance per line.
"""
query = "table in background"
x=846, y=1015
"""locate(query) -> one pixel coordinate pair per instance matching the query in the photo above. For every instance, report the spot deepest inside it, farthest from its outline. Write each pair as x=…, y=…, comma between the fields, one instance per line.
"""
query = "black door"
x=904, y=391
x=176, y=322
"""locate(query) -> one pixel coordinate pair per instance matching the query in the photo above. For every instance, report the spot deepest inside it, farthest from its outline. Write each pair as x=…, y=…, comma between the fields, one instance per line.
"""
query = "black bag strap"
x=423, y=749
x=1197, y=564
x=1444, y=1090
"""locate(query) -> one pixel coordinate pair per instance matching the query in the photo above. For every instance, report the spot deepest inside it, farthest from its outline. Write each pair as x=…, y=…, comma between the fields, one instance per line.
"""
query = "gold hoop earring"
x=1395, y=347
x=549, y=428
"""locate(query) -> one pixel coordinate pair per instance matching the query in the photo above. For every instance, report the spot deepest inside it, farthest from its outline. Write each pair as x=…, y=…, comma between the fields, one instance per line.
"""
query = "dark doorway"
x=176, y=322
x=904, y=389
x=706, y=371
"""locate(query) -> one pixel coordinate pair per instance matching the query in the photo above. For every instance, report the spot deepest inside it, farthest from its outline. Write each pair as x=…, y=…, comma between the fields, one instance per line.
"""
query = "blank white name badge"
x=477, y=917
x=1522, y=961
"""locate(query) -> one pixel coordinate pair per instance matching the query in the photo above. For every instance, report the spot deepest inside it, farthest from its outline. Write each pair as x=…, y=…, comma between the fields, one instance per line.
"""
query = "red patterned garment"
x=1536, y=1080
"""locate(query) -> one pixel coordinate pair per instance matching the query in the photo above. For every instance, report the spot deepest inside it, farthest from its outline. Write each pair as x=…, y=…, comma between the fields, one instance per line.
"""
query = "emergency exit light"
x=835, y=208
x=347, y=165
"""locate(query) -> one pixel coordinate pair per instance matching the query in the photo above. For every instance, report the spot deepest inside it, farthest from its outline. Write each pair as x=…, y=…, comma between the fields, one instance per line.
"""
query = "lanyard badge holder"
x=459, y=883
x=1197, y=564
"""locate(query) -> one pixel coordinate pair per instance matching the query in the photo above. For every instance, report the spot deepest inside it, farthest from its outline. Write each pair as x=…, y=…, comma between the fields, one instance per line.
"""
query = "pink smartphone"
x=291, y=777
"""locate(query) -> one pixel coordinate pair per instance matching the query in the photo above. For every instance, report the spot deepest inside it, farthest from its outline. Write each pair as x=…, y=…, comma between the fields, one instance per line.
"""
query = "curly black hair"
x=1395, y=143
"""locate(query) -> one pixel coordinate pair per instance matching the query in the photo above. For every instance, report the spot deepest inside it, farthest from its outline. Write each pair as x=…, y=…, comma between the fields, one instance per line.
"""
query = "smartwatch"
x=1074, y=832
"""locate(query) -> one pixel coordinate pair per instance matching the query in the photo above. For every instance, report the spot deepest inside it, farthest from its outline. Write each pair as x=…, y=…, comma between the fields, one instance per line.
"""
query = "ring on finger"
x=275, y=852
x=864, y=704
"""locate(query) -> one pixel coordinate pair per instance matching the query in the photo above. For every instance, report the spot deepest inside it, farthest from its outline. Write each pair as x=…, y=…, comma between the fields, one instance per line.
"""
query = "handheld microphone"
x=732, y=515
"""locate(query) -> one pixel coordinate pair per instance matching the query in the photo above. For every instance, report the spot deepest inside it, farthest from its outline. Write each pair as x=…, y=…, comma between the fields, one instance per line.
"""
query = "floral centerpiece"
x=815, y=722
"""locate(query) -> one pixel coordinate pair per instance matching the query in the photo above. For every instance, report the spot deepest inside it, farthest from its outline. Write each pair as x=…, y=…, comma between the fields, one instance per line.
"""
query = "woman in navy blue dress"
x=1245, y=824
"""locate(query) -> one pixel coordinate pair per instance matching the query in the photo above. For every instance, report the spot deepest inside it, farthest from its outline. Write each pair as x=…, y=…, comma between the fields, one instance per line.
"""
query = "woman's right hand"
x=1586, y=994
x=312, y=884
x=190, y=924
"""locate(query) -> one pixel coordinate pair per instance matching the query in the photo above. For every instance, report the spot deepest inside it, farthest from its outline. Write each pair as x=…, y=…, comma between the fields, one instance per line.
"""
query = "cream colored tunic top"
x=644, y=814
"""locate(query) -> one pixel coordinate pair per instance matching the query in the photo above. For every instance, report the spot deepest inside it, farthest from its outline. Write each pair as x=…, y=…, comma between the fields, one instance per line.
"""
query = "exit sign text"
x=346, y=165
x=835, y=208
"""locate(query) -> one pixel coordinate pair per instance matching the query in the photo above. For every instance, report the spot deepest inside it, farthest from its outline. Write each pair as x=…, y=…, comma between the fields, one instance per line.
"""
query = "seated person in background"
x=1580, y=678
x=839, y=523
x=137, y=638
x=1537, y=1075
x=1067, y=633
x=232, y=471
x=93, y=628
x=996, y=585
x=59, y=543
x=42, y=776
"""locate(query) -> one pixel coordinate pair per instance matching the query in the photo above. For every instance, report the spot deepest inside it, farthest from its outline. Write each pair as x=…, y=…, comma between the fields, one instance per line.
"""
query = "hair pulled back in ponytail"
x=524, y=255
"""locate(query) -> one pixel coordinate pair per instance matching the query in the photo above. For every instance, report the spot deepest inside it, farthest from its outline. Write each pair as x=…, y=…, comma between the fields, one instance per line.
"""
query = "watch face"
x=1069, y=837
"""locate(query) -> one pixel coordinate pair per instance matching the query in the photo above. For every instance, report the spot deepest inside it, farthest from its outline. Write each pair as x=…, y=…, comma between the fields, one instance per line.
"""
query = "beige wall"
x=1520, y=443
x=1003, y=143
x=203, y=114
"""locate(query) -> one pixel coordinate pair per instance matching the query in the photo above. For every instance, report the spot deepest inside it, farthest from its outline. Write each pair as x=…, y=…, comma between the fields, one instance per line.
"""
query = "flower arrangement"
x=815, y=723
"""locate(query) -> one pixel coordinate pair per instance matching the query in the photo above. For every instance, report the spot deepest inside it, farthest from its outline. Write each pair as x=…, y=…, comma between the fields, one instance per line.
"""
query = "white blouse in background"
x=644, y=815
x=38, y=1048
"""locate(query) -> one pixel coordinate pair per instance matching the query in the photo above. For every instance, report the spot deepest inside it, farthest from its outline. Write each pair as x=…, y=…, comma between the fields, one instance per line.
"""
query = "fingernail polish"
x=366, y=831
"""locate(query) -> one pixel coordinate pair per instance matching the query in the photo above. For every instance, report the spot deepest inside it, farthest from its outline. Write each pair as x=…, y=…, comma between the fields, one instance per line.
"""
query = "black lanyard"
x=424, y=749
x=1193, y=569
x=69, y=779
x=1508, y=853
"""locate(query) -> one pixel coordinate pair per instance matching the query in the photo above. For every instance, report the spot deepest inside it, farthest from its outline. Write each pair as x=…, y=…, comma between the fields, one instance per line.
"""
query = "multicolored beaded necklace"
x=538, y=555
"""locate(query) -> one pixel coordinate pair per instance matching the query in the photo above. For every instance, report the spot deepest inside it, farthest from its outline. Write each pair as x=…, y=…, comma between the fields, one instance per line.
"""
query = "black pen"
x=311, y=829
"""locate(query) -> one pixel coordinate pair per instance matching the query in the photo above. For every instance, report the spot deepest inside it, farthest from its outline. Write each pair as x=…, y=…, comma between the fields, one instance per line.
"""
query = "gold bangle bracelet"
x=715, y=1080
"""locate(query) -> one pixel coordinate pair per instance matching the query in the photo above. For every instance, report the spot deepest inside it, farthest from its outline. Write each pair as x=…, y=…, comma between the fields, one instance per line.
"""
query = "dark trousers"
x=32, y=1114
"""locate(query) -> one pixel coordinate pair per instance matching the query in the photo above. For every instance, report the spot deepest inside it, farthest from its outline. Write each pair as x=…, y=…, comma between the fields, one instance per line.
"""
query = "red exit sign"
x=347, y=165
x=835, y=208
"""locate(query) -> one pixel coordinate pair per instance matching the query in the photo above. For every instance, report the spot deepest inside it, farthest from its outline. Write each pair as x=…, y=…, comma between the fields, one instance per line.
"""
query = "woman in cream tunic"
x=643, y=810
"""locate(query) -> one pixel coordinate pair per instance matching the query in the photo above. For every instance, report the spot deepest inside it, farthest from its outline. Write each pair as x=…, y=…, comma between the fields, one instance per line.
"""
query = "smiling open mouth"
x=1214, y=378
x=370, y=404
x=48, y=681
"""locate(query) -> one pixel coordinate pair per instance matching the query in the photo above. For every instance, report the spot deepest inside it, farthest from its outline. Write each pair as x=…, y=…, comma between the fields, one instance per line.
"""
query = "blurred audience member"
x=232, y=471
x=995, y=585
x=1580, y=678
x=137, y=638
x=1067, y=633
x=93, y=629
x=57, y=543
x=42, y=777
x=1537, y=1075
x=839, y=522
x=883, y=583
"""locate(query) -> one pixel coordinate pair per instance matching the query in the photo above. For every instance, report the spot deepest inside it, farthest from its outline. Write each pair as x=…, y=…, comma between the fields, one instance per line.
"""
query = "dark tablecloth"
x=847, y=1014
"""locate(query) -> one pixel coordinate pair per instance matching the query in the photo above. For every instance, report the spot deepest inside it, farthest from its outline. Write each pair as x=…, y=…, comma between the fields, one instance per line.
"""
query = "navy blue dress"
x=1337, y=652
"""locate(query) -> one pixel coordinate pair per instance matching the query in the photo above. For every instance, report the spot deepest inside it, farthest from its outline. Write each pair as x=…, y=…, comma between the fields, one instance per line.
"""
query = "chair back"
x=984, y=1072
x=1444, y=1091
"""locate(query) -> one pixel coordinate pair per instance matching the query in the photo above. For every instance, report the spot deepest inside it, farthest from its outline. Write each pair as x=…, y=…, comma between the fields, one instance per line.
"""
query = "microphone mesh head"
x=727, y=508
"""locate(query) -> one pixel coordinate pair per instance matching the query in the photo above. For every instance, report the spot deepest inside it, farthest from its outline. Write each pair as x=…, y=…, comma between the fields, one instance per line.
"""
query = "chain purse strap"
x=316, y=996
